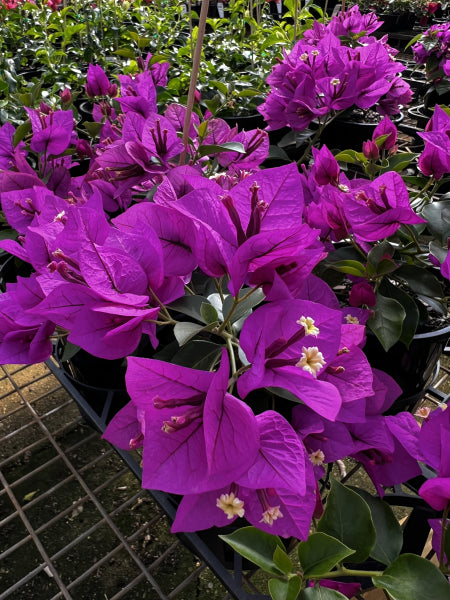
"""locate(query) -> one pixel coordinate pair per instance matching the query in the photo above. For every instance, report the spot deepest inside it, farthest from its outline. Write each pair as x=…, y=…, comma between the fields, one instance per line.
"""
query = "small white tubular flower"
x=423, y=412
x=231, y=505
x=317, y=458
x=351, y=319
x=311, y=360
x=308, y=325
x=271, y=514
x=335, y=81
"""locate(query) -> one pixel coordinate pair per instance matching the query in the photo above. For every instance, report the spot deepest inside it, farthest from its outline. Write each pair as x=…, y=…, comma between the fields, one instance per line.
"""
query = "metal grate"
x=74, y=522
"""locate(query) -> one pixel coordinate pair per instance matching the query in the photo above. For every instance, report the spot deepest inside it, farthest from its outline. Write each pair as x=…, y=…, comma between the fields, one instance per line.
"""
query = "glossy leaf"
x=411, y=320
x=351, y=267
x=285, y=590
x=387, y=320
x=347, y=518
x=190, y=306
x=257, y=546
x=411, y=577
x=321, y=593
x=217, y=148
x=186, y=331
x=320, y=553
x=197, y=354
x=282, y=560
x=420, y=280
x=244, y=305
x=438, y=216
x=389, y=533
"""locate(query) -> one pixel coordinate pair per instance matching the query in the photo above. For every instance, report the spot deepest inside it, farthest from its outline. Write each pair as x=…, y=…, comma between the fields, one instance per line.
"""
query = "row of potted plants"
x=241, y=296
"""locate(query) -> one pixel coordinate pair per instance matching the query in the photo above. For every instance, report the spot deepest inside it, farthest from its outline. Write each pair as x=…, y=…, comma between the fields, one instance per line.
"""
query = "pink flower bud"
x=370, y=150
x=112, y=92
x=65, y=95
x=362, y=293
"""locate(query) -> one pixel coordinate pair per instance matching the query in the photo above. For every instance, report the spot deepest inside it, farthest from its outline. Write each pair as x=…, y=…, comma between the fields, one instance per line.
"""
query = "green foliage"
x=347, y=518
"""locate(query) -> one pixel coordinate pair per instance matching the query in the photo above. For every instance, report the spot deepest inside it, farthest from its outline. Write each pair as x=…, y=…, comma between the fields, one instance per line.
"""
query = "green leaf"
x=420, y=281
x=321, y=593
x=69, y=351
x=125, y=52
x=347, y=518
x=21, y=132
x=217, y=148
x=257, y=546
x=220, y=85
x=320, y=553
x=399, y=161
x=244, y=306
x=198, y=354
x=389, y=533
x=351, y=157
x=282, y=560
x=209, y=313
x=190, y=306
x=184, y=332
x=285, y=590
x=411, y=577
x=351, y=267
x=92, y=128
x=379, y=251
x=438, y=216
x=411, y=320
x=387, y=320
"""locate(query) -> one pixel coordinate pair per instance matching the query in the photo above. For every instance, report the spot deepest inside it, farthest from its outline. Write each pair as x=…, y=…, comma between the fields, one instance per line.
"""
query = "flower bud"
x=112, y=92
x=370, y=150
x=362, y=293
x=65, y=96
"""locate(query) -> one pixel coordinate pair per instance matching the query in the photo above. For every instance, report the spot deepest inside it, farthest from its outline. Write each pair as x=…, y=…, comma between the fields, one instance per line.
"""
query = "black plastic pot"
x=245, y=122
x=420, y=115
x=412, y=368
x=344, y=133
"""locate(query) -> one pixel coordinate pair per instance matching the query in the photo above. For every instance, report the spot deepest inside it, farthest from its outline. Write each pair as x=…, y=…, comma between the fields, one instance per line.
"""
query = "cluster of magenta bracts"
x=112, y=249
x=322, y=75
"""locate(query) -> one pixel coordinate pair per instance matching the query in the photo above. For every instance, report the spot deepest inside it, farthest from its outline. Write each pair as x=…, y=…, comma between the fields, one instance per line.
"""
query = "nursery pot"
x=348, y=132
x=245, y=122
x=412, y=368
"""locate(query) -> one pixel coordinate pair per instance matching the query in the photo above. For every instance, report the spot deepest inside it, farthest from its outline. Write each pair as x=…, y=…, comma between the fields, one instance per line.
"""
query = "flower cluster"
x=432, y=49
x=322, y=75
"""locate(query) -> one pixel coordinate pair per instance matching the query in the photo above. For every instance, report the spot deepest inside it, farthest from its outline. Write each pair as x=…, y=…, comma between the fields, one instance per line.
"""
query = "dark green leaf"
x=379, y=251
x=389, y=533
x=411, y=577
x=217, y=148
x=420, y=280
x=347, y=518
x=186, y=331
x=321, y=553
x=257, y=546
x=438, y=216
x=282, y=560
x=321, y=593
x=277, y=152
x=21, y=132
x=285, y=590
x=411, y=320
x=189, y=305
x=208, y=312
x=387, y=320
x=8, y=234
x=198, y=354
x=69, y=351
x=244, y=305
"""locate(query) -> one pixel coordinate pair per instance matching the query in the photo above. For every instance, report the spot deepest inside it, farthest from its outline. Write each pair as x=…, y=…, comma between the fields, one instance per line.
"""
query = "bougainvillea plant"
x=254, y=376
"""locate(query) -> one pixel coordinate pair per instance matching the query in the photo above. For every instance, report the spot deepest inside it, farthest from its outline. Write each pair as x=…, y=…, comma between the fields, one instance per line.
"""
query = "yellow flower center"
x=271, y=514
x=231, y=505
x=311, y=360
x=308, y=324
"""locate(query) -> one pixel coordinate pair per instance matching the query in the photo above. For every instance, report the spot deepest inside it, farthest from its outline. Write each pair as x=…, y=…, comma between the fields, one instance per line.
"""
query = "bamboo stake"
x=194, y=78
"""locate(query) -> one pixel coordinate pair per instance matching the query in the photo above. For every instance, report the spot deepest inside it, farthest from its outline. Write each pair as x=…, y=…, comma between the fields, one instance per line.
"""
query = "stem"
x=163, y=308
x=444, y=531
x=232, y=357
x=313, y=139
x=343, y=572
x=237, y=300
x=194, y=78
